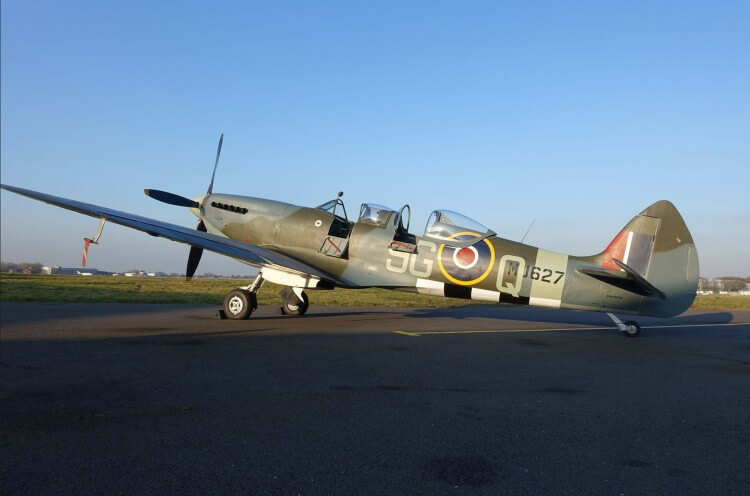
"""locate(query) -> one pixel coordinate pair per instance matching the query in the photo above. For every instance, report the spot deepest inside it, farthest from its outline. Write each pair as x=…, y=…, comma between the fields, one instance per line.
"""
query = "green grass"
x=110, y=289
x=721, y=302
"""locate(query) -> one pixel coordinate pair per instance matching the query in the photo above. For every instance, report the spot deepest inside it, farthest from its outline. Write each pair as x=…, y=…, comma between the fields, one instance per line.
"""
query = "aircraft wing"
x=250, y=253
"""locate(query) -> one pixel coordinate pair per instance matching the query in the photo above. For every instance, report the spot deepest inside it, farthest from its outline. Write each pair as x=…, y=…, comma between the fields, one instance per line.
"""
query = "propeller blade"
x=218, y=153
x=171, y=198
x=194, y=257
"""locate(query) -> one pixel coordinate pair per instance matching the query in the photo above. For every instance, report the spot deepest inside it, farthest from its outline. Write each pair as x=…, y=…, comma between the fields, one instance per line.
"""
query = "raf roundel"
x=318, y=223
x=468, y=265
x=465, y=258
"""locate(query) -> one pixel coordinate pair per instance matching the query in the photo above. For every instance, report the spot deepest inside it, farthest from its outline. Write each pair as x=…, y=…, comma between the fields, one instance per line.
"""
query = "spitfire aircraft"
x=650, y=268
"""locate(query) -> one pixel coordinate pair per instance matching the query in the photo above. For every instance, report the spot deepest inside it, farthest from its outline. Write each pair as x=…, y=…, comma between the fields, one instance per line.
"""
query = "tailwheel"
x=633, y=329
x=239, y=304
x=630, y=329
x=294, y=302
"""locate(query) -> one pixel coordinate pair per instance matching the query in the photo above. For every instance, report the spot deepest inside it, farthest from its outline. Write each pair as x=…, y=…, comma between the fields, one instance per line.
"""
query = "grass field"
x=109, y=289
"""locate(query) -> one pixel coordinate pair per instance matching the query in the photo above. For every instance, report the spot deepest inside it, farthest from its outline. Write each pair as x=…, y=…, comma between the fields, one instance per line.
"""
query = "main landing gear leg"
x=294, y=301
x=240, y=303
x=630, y=329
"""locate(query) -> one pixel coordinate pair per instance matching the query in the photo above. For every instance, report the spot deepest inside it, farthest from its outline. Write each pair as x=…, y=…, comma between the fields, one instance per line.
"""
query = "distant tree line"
x=726, y=283
x=36, y=268
x=21, y=268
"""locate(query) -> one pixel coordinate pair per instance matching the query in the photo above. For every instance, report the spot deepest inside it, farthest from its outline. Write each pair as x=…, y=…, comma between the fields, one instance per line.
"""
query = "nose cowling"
x=197, y=211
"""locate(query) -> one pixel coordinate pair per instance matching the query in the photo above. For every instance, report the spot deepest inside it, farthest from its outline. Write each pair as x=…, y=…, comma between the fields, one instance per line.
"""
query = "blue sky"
x=576, y=114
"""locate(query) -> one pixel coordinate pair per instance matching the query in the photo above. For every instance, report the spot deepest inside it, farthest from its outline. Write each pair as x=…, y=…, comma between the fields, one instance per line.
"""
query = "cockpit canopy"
x=445, y=224
x=335, y=207
x=376, y=215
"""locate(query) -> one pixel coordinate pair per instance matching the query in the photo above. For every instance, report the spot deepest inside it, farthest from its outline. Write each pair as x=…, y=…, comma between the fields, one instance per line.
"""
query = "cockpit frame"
x=446, y=227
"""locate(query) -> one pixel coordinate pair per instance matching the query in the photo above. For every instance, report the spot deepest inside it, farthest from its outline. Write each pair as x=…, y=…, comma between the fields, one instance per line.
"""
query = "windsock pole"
x=95, y=240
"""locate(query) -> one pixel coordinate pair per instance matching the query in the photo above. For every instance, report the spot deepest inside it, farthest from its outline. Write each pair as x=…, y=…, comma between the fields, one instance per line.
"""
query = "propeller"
x=194, y=257
x=171, y=198
x=218, y=152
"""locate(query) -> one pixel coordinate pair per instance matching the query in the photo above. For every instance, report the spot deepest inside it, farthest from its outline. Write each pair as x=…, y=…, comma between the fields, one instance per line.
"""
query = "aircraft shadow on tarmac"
x=561, y=316
x=29, y=312
x=512, y=313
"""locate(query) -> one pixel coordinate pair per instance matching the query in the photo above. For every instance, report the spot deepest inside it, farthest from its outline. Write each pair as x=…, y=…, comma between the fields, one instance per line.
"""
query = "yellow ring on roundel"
x=473, y=281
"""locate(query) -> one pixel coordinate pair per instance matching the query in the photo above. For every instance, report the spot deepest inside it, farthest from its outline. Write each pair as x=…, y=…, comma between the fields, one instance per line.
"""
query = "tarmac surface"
x=166, y=399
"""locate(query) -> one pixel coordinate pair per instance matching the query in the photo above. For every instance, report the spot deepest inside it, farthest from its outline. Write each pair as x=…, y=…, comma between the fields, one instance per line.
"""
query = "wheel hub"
x=235, y=305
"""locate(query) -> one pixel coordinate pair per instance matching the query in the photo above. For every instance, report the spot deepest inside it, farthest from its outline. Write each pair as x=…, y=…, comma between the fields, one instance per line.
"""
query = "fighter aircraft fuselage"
x=491, y=269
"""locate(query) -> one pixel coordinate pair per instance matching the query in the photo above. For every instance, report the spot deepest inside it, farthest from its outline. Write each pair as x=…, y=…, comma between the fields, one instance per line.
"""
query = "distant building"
x=141, y=273
x=74, y=271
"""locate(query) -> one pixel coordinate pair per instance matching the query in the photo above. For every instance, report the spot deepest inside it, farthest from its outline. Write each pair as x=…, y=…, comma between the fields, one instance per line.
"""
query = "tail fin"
x=657, y=246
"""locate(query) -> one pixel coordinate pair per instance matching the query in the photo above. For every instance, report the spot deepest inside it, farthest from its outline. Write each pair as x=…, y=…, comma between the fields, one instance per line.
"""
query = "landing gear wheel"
x=290, y=304
x=239, y=304
x=633, y=329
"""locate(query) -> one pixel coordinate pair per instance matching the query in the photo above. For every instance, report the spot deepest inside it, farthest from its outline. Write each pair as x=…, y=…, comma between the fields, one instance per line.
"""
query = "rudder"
x=658, y=245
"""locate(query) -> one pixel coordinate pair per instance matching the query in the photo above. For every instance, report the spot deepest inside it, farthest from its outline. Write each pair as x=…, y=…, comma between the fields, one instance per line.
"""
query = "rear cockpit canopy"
x=445, y=224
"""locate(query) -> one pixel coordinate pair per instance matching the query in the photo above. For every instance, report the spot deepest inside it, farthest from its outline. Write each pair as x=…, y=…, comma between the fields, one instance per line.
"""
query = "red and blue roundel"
x=469, y=265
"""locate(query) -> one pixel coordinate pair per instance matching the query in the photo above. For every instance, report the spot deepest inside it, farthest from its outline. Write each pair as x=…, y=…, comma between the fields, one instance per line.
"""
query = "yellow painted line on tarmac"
x=612, y=328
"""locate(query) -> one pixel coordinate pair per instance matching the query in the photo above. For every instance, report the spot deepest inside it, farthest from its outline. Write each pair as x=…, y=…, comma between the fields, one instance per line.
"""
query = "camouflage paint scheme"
x=650, y=267
x=512, y=272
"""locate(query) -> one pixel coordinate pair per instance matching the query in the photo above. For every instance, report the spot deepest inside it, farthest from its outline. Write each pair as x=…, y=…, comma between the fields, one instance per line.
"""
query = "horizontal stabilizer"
x=627, y=278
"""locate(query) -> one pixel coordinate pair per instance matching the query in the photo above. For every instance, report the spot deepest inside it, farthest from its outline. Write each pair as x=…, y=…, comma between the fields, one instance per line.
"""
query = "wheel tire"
x=239, y=304
x=290, y=304
x=634, y=330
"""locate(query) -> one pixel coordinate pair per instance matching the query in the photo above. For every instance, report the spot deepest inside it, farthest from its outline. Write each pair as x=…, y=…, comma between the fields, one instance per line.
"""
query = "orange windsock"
x=86, y=243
